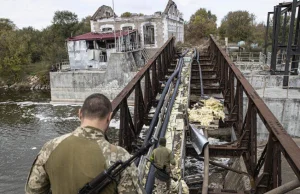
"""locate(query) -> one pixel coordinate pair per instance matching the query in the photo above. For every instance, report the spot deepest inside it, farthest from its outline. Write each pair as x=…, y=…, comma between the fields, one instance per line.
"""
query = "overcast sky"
x=39, y=13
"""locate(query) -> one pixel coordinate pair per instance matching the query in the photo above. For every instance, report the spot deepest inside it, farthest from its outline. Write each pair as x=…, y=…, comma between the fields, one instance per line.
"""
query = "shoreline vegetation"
x=28, y=54
x=30, y=84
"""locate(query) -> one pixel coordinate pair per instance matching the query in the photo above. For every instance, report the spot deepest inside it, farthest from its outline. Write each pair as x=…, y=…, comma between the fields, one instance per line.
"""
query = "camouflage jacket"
x=161, y=157
x=38, y=179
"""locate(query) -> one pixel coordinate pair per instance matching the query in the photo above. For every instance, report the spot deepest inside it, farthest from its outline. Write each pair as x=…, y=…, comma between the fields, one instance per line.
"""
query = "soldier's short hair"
x=162, y=141
x=96, y=106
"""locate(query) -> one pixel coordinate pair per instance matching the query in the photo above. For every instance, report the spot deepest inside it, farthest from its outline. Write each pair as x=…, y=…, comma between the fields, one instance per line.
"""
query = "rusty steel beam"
x=152, y=74
x=230, y=151
x=139, y=108
x=130, y=86
x=291, y=150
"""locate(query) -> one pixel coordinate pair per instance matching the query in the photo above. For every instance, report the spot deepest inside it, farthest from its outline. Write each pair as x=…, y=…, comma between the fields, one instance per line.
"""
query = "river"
x=27, y=121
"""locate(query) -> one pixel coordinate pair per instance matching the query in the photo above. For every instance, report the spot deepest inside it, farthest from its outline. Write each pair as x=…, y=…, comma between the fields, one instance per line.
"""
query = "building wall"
x=283, y=103
x=271, y=81
x=287, y=111
x=80, y=56
x=165, y=26
x=137, y=23
x=175, y=24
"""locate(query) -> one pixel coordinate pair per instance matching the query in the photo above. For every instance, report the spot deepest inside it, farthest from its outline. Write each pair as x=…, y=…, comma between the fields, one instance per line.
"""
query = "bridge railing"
x=234, y=88
x=148, y=78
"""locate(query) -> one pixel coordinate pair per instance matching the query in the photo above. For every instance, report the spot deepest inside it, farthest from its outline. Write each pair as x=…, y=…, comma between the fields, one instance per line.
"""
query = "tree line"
x=29, y=51
x=236, y=25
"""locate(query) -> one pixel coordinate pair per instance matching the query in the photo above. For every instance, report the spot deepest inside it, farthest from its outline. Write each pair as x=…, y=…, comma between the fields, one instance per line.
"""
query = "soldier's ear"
x=109, y=116
x=79, y=114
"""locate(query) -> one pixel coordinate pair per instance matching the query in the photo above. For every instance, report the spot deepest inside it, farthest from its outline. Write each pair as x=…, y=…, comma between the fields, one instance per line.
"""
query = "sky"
x=39, y=13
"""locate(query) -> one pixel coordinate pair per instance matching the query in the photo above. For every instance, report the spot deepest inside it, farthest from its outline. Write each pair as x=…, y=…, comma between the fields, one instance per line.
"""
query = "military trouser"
x=162, y=187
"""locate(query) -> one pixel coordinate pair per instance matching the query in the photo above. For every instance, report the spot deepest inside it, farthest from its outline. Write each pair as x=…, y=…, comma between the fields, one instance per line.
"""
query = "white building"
x=141, y=35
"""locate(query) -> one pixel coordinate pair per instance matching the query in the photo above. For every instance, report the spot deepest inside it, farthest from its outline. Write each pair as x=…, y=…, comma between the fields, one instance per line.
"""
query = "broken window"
x=106, y=29
x=125, y=28
x=149, y=37
x=90, y=44
x=107, y=14
x=110, y=44
x=100, y=44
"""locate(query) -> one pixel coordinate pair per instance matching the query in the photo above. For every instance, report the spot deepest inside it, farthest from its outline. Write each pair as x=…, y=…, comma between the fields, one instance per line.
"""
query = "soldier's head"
x=96, y=110
x=162, y=141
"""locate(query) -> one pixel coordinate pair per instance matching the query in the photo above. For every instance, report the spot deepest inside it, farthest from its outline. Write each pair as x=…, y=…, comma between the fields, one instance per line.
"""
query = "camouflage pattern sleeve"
x=38, y=180
x=129, y=182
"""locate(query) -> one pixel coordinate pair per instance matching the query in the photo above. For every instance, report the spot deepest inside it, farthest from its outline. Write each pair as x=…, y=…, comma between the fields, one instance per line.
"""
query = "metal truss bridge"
x=155, y=86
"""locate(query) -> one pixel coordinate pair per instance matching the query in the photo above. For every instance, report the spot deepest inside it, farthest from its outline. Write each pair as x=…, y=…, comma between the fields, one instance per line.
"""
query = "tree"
x=28, y=51
x=237, y=26
x=54, y=49
x=201, y=24
x=65, y=23
x=6, y=25
x=84, y=26
x=13, y=56
x=126, y=15
x=259, y=34
x=33, y=41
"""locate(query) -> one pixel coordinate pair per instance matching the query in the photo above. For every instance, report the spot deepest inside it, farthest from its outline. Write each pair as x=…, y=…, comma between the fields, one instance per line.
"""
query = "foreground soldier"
x=162, y=158
x=67, y=163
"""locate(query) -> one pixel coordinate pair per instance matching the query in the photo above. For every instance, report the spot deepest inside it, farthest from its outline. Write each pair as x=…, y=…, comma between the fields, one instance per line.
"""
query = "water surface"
x=27, y=121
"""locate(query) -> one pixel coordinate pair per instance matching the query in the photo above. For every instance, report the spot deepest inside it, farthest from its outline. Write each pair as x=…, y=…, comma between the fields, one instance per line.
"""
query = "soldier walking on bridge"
x=65, y=164
x=162, y=158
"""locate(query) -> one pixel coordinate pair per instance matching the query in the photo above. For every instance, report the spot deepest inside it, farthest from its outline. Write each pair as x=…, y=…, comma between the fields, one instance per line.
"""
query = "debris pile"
x=207, y=111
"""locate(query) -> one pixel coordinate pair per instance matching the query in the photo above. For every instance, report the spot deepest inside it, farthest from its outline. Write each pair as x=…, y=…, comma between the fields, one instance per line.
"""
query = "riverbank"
x=29, y=84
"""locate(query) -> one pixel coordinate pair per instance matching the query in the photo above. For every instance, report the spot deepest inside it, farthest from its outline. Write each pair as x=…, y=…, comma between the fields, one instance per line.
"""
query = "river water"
x=27, y=121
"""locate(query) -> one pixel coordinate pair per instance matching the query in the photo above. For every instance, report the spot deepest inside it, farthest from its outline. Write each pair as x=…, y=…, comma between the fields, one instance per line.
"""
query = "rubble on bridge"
x=207, y=111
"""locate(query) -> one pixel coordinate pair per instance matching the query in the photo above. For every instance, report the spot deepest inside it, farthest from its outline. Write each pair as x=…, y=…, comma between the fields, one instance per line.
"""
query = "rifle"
x=162, y=170
x=107, y=176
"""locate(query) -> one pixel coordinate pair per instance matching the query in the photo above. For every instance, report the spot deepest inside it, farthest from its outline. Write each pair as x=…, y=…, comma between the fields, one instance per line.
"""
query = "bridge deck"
x=222, y=79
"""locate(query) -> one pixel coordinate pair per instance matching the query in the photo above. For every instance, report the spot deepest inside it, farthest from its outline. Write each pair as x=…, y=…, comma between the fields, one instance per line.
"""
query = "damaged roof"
x=169, y=5
x=100, y=13
x=101, y=36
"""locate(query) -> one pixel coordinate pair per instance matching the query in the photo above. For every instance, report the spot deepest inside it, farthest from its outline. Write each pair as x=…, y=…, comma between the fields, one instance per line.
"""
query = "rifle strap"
x=113, y=149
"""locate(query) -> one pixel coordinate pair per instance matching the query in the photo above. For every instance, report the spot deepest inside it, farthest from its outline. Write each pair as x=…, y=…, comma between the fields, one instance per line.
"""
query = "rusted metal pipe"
x=160, y=103
x=206, y=167
x=285, y=188
x=150, y=178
